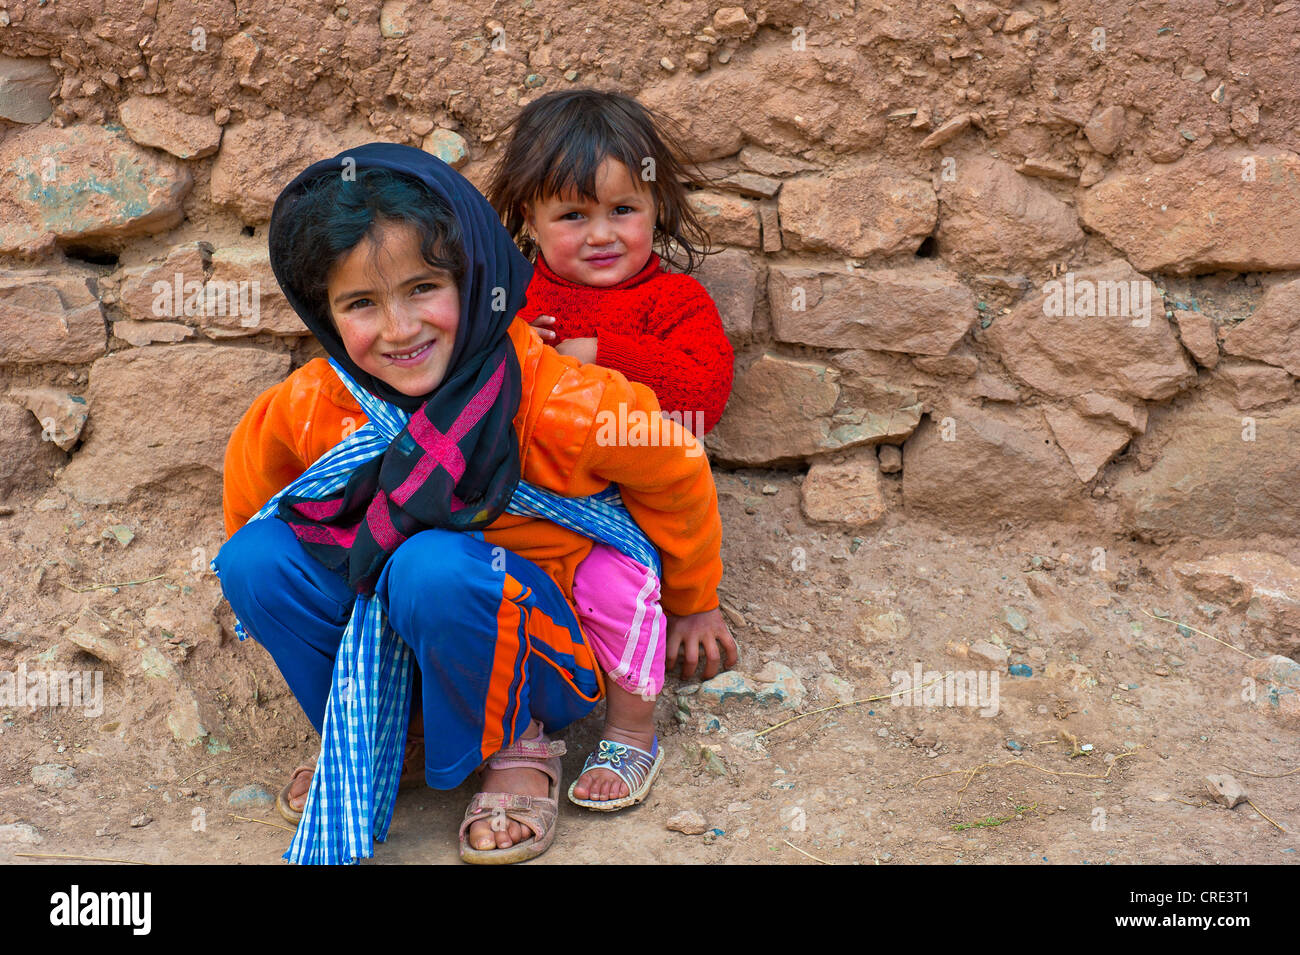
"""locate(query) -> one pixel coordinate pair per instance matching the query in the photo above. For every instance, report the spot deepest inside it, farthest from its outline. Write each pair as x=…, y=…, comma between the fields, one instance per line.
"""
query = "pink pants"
x=617, y=601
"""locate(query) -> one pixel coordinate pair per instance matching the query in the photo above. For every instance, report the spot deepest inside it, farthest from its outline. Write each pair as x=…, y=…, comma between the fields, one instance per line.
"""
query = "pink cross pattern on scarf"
x=442, y=449
x=325, y=534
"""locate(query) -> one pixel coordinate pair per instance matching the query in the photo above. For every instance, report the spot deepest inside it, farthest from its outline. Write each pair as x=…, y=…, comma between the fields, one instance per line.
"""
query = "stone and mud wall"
x=983, y=263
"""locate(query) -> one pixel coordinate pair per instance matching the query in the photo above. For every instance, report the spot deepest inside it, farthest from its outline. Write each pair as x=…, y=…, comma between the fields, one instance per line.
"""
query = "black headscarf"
x=398, y=494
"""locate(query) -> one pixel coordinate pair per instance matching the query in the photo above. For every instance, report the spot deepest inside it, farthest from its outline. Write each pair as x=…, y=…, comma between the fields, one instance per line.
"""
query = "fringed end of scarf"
x=354, y=789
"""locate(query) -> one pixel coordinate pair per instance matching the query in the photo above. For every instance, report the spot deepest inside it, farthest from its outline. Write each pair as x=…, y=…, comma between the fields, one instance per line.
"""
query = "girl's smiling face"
x=397, y=314
x=597, y=243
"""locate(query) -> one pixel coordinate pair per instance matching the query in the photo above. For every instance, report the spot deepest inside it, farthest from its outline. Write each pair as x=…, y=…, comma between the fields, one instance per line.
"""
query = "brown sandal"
x=538, y=813
x=412, y=771
x=412, y=761
x=282, y=800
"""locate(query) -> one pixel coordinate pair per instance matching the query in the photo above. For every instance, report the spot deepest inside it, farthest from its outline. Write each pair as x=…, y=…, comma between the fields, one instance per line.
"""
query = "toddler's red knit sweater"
x=657, y=328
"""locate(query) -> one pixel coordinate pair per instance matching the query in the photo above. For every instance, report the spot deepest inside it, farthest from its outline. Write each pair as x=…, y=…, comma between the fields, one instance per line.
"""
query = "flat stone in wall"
x=242, y=296
x=1250, y=384
x=156, y=122
x=858, y=211
x=992, y=217
x=782, y=409
x=1220, y=474
x=226, y=292
x=780, y=101
x=86, y=185
x=259, y=157
x=729, y=219
x=1001, y=465
x=920, y=309
x=1272, y=333
x=731, y=279
x=158, y=291
x=25, y=87
x=1098, y=347
x=50, y=315
x=1198, y=336
x=162, y=415
x=1131, y=415
x=1089, y=442
x=844, y=490
x=26, y=460
x=1219, y=209
x=60, y=414
x=149, y=333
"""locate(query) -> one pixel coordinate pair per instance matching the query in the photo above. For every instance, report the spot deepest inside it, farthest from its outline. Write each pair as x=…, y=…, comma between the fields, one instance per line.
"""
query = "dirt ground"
x=1151, y=706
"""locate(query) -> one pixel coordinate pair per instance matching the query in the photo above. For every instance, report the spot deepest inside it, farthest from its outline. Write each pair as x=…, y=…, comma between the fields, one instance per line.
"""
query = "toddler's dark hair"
x=333, y=214
x=557, y=143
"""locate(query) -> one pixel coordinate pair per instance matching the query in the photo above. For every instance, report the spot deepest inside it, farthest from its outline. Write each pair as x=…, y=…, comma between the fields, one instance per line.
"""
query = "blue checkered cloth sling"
x=353, y=791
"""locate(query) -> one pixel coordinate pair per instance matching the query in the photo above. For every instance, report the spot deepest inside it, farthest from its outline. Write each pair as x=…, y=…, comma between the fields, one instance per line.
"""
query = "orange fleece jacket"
x=667, y=488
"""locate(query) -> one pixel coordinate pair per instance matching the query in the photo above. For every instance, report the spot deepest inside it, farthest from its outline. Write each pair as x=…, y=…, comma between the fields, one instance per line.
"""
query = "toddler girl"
x=587, y=186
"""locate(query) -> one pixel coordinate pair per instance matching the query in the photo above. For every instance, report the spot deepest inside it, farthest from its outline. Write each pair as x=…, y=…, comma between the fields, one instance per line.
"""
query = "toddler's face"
x=396, y=313
x=597, y=243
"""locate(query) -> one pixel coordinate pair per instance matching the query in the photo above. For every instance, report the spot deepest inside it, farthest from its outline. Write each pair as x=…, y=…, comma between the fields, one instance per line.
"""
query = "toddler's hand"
x=583, y=349
x=542, y=323
x=689, y=633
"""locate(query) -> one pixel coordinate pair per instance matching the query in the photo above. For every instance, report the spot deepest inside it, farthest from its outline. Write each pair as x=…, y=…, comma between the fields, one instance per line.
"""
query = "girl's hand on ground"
x=583, y=349
x=686, y=635
x=542, y=324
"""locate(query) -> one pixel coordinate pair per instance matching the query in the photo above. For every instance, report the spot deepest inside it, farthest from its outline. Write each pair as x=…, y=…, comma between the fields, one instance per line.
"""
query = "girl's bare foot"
x=298, y=788
x=301, y=783
x=629, y=719
x=493, y=834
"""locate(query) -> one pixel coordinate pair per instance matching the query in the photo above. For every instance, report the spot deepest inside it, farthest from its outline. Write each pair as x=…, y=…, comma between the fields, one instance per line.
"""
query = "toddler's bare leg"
x=628, y=719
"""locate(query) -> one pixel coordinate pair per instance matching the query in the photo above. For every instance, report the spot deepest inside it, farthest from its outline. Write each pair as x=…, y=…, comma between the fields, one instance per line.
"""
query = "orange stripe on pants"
x=505, y=662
